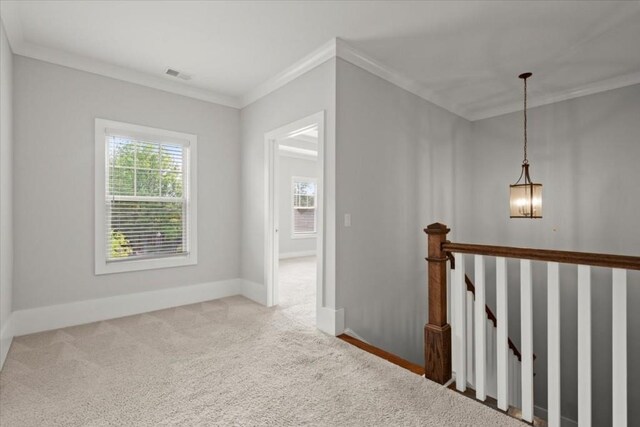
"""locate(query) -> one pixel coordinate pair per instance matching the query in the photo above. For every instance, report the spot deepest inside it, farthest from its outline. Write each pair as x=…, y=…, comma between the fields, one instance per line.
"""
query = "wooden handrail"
x=564, y=257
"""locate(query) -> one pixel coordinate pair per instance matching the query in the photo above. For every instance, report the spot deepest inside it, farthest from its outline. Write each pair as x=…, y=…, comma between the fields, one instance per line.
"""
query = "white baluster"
x=451, y=314
x=619, y=347
x=584, y=345
x=553, y=344
x=470, y=343
x=518, y=399
x=526, y=312
x=494, y=363
x=512, y=379
x=491, y=358
x=502, y=345
x=460, y=295
x=480, y=326
x=517, y=379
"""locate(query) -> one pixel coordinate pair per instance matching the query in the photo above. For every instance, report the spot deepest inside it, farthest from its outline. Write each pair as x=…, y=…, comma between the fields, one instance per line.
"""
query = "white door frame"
x=271, y=205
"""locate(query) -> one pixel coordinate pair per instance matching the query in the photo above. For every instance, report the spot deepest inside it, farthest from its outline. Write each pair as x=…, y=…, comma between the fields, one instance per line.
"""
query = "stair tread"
x=493, y=404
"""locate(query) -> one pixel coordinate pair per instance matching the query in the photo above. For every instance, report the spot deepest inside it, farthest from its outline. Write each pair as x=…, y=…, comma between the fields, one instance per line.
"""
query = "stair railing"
x=438, y=333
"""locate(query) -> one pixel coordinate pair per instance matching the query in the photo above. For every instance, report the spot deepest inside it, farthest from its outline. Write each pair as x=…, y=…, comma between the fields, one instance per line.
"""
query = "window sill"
x=304, y=236
x=103, y=267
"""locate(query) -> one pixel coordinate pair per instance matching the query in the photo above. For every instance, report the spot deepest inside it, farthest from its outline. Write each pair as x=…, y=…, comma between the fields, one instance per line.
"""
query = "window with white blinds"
x=147, y=212
x=304, y=206
x=146, y=205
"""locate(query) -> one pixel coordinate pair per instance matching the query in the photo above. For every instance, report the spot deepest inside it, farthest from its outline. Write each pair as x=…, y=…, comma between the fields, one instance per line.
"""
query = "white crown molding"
x=333, y=48
x=309, y=62
x=120, y=73
x=19, y=46
x=552, y=98
x=339, y=48
x=359, y=59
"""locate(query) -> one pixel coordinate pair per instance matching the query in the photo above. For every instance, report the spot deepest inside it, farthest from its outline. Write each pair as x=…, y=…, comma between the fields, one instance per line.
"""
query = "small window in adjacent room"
x=145, y=198
x=304, y=206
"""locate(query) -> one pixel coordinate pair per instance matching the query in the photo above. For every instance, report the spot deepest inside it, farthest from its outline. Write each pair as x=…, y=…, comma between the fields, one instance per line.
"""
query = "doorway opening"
x=294, y=232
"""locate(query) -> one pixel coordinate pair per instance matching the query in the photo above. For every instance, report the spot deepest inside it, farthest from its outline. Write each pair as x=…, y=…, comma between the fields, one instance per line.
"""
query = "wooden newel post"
x=437, y=333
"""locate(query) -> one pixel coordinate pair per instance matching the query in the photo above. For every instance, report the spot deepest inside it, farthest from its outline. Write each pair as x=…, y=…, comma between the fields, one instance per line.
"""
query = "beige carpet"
x=224, y=362
x=297, y=288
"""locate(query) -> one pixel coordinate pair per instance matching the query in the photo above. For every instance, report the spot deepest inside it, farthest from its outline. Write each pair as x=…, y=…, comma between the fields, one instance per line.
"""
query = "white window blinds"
x=147, y=204
x=304, y=206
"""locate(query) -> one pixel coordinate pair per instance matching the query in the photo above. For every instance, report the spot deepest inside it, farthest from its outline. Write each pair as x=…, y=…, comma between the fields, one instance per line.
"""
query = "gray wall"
x=55, y=108
x=310, y=93
x=395, y=175
x=585, y=152
x=6, y=202
x=288, y=168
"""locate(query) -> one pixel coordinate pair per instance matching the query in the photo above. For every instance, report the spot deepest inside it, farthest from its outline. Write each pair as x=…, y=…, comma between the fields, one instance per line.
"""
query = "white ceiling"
x=464, y=56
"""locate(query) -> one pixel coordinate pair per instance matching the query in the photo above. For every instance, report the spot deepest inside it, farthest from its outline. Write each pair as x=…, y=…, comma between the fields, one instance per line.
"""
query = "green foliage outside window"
x=142, y=227
x=120, y=247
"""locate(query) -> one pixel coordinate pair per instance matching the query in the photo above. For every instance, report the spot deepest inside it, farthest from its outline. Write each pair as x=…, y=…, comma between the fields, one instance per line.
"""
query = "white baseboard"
x=40, y=319
x=564, y=421
x=6, y=337
x=298, y=254
x=254, y=291
x=330, y=321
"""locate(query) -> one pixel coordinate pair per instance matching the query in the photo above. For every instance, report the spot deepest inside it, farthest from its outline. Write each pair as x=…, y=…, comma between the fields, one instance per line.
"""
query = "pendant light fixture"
x=525, y=198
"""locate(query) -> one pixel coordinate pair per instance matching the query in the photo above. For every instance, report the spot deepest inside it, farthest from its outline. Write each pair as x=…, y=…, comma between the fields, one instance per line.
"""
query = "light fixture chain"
x=525, y=161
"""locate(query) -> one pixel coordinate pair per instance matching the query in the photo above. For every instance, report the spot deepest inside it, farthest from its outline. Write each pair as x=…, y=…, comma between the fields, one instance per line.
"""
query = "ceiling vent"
x=175, y=73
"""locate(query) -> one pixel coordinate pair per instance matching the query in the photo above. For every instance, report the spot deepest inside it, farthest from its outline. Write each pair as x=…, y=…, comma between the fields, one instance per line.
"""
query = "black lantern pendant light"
x=525, y=198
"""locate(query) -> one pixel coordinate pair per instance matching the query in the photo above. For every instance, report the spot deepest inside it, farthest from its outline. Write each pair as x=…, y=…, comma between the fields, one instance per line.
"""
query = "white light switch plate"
x=347, y=220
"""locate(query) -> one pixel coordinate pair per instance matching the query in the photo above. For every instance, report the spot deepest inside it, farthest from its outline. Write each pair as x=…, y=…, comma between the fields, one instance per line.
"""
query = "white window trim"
x=295, y=235
x=102, y=129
